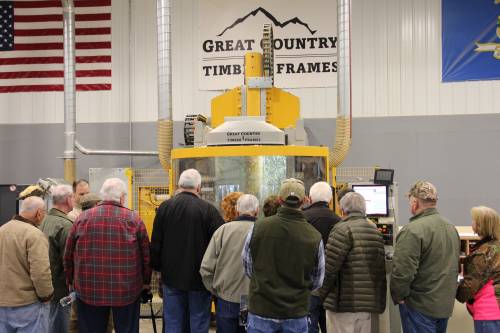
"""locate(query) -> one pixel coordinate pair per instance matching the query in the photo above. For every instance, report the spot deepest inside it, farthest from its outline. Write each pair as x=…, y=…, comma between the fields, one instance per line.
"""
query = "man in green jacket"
x=425, y=265
x=283, y=256
x=56, y=226
x=355, y=285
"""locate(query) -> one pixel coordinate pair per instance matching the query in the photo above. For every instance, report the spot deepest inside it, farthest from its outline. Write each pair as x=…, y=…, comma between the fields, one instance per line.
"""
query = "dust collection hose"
x=165, y=125
x=165, y=135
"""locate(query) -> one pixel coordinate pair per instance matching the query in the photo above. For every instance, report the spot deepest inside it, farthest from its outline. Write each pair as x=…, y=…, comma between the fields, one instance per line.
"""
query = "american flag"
x=31, y=45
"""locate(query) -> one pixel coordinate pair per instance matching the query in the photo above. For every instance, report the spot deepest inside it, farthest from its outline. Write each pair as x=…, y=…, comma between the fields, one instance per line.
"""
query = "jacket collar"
x=109, y=202
x=22, y=219
x=318, y=204
x=354, y=216
x=290, y=213
x=188, y=193
x=246, y=218
x=426, y=212
x=481, y=242
x=59, y=213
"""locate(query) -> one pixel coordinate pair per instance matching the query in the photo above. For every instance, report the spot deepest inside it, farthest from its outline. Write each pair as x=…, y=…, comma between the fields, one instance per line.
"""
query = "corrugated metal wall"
x=396, y=50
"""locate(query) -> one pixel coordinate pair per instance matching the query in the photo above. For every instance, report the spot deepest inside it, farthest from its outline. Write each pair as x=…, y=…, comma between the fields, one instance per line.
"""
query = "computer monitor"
x=377, y=203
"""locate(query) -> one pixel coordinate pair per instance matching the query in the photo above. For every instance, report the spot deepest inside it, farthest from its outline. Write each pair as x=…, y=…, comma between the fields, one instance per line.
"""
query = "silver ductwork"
x=69, y=89
x=70, y=100
x=86, y=151
x=165, y=124
x=344, y=110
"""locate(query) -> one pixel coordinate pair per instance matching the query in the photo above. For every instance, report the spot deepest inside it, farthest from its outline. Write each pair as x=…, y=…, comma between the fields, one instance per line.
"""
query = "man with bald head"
x=26, y=284
x=56, y=226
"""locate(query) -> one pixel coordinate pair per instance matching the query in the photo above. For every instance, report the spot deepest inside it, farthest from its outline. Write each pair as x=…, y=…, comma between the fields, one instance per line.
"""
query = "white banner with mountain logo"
x=305, y=41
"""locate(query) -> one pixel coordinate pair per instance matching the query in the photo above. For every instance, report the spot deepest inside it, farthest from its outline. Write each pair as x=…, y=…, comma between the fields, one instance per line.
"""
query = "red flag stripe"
x=59, y=46
x=58, y=18
x=54, y=87
x=38, y=18
x=46, y=74
x=44, y=4
x=53, y=60
x=59, y=32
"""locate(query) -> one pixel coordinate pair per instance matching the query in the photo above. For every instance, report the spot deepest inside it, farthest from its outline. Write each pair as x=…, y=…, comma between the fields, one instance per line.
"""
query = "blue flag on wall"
x=471, y=40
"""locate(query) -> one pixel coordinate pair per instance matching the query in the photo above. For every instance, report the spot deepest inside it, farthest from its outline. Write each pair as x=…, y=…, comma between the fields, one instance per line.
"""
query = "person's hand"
x=146, y=296
x=401, y=302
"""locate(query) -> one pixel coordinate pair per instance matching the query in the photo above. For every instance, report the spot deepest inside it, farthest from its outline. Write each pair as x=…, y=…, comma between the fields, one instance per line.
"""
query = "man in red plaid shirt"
x=107, y=262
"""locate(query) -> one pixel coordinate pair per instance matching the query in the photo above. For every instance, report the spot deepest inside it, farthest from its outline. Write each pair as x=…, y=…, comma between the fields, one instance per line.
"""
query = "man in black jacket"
x=182, y=229
x=320, y=216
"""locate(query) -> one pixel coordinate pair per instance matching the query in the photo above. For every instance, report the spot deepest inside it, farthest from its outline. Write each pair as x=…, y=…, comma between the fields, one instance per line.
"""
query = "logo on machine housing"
x=250, y=136
x=293, y=55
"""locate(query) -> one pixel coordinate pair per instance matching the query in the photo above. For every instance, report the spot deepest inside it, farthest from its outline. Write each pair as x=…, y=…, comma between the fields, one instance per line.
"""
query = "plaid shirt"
x=107, y=256
x=317, y=275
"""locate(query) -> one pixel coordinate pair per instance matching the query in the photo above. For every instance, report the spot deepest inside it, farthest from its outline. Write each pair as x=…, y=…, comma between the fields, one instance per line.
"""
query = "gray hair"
x=247, y=204
x=190, y=179
x=353, y=203
x=320, y=191
x=31, y=204
x=113, y=189
x=60, y=193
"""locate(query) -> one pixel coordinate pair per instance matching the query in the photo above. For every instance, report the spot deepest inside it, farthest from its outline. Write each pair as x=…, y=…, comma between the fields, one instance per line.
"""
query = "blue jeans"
x=178, y=305
x=227, y=317
x=486, y=326
x=317, y=315
x=257, y=324
x=32, y=318
x=414, y=321
x=58, y=318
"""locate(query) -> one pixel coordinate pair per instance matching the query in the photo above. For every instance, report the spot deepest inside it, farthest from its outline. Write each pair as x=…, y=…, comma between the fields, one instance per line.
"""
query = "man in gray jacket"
x=221, y=269
x=355, y=283
x=56, y=227
x=425, y=265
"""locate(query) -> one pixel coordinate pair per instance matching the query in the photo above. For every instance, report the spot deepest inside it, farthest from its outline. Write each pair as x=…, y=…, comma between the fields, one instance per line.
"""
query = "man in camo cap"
x=425, y=264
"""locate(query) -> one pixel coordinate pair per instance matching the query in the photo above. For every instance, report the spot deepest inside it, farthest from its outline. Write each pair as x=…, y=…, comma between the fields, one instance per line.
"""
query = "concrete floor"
x=146, y=326
x=460, y=322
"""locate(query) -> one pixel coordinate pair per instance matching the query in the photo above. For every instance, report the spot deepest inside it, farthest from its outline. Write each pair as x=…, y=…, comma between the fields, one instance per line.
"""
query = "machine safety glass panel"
x=257, y=175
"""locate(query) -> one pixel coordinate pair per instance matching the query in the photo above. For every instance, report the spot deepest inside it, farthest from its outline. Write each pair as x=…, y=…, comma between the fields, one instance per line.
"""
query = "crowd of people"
x=298, y=267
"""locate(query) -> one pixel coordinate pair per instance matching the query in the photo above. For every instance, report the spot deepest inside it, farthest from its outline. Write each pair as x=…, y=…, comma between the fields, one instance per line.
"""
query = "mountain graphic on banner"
x=270, y=16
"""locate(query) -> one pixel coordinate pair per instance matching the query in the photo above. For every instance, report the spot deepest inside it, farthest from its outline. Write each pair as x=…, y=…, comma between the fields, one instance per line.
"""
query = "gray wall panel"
x=458, y=153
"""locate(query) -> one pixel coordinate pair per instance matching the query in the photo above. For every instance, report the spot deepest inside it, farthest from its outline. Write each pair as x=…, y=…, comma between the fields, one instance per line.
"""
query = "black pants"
x=94, y=319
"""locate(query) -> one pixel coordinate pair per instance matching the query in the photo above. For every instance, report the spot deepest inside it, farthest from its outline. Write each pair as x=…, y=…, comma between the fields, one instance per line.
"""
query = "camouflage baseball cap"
x=89, y=200
x=423, y=190
x=292, y=191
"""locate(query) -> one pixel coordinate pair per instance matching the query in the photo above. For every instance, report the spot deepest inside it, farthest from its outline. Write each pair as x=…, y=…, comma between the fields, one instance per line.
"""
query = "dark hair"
x=343, y=192
x=78, y=182
x=271, y=205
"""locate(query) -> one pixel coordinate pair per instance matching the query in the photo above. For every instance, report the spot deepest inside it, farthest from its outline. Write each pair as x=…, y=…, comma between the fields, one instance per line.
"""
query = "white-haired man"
x=323, y=219
x=182, y=230
x=425, y=264
x=107, y=262
x=355, y=282
x=221, y=269
x=56, y=226
x=26, y=284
